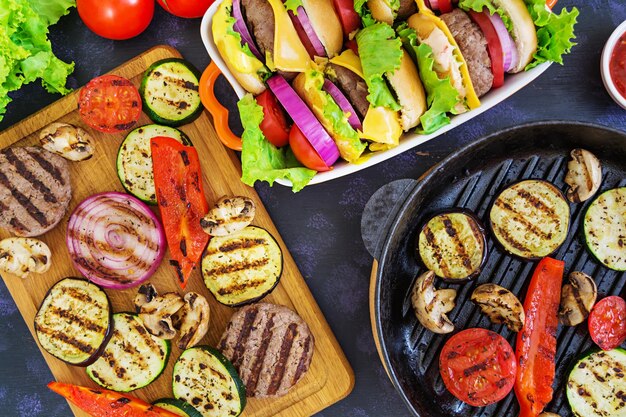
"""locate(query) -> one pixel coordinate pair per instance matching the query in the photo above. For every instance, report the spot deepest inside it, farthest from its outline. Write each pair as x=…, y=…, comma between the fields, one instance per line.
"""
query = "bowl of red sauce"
x=614, y=65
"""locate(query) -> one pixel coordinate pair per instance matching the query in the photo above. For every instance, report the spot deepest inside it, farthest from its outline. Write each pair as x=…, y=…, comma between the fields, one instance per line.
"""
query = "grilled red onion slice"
x=115, y=240
x=343, y=103
x=241, y=28
x=511, y=57
x=303, y=26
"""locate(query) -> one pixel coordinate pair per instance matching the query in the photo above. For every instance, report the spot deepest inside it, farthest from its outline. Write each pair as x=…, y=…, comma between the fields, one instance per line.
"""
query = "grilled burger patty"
x=352, y=86
x=35, y=190
x=270, y=346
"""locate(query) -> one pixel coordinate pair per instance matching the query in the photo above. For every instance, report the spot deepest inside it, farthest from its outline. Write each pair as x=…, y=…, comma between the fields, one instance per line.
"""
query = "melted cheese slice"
x=348, y=59
x=289, y=53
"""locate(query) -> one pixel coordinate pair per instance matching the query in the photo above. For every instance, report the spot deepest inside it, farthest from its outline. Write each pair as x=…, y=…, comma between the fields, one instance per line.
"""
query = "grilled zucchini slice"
x=530, y=219
x=242, y=267
x=596, y=385
x=453, y=245
x=204, y=378
x=132, y=359
x=74, y=321
x=134, y=160
x=605, y=228
x=178, y=407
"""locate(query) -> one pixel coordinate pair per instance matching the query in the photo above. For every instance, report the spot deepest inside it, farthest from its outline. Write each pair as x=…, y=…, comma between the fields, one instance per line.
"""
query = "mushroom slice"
x=500, y=305
x=23, y=255
x=146, y=293
x=577, y=299
x=157, y=314
x=70, y=142
x=584, y=175
x=193, y=320
x=229, y=215
x=431, y=305
x=549, y=415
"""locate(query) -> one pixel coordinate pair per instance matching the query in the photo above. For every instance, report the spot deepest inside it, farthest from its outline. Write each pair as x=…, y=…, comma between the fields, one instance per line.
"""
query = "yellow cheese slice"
x=382, y=125
x=348, y=59
x=289, y=53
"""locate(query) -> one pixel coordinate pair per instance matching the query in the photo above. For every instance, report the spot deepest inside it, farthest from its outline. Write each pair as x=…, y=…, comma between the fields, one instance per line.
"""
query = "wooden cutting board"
x=330, y=377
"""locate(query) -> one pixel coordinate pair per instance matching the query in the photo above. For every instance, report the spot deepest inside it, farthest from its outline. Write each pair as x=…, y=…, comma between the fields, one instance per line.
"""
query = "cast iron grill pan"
x=471, y=178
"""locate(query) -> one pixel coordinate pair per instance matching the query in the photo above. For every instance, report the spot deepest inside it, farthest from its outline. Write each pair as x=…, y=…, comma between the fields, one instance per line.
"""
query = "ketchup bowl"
x=613, y=65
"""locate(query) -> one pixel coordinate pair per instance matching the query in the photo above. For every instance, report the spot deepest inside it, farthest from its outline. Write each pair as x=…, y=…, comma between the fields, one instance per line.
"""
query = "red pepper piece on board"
x=536, y=343
x=180, y=196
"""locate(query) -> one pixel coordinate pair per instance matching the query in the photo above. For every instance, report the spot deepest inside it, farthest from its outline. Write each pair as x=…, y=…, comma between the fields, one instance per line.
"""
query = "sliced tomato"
x=445, y=6
x=493, y=46
x=351, y=44
x=551, y=3
x=274, y=124
x=304, y=151
x=349, y=18
x=110, y=104
x=478, y=366
x=607, y=322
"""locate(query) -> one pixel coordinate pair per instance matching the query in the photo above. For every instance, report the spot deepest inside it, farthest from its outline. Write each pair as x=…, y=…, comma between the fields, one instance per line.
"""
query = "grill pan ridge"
x=471, y=178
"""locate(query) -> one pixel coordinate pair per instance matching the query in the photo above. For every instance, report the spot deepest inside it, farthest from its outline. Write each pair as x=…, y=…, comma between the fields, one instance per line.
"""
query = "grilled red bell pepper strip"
x=100, y=402
x=536, y=343
x=180, y=196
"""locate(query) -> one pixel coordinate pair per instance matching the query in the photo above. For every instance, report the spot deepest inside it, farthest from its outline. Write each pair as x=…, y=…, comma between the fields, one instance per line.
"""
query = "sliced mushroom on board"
x=70, y=142
x=577, y=299
x=584, y=175
x=230, y=215
x=158, y=313
x=145, y=294
x=432, y=305
x=500, y=305
x=192, y=320
x=23, y=255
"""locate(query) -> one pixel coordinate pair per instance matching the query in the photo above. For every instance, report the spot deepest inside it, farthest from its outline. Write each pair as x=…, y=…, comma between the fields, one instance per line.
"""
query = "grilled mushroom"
x=549, y=415
x=577, y=299
x=157, y=314
x=431, y=305
x=70, y=142
x=500, y=305
x=146, y=293
x=192, y=320
x=22, y=255
x=584, y=175
x=229, y=215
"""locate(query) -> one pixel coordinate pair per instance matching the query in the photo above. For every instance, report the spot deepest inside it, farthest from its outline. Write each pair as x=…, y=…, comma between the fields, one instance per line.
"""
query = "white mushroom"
x=145, y=294
x=229, y=215
x=577, y=299
x=157, y=314
x=431, y=305
x=500, y=305
x=192, y=320
x=70, y=142
x=22, y=255
x=584, y=175
x=549, y=415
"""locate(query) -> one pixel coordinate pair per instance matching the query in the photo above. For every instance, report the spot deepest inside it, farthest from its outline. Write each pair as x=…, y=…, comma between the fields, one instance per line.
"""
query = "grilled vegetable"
x=607, y=322
x=605, y=228
x=169, y=91
x=132, y=359
x=134, y=162
x=530, y=219
x=192, y=320
x=178, y=407
x=577, y=299
x=178, y=182
x=453, y=245
x=204, y=378
x=105, y=403
x=23, y=255
x=242, y=267
x=145, y=294
x=584, y=175
x=549, y=415
x=157, y=314
x=500, y=305
x=597, y=386
x=70, y=142
x=431, y=305
x=536, y=343
x=74, y=321
x=230, y=215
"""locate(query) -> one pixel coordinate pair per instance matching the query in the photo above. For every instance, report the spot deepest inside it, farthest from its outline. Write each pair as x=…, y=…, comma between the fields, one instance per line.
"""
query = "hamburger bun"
x=326, y=24
x=409, y=90
x=382, y=12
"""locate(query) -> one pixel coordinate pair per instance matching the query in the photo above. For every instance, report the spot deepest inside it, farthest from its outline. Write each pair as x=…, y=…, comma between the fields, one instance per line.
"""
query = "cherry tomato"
x=109, y=104
x=444, y=6
x=116, y=19
x=478, y=366
x=493, y=45
x=607, y=322
x=186, y=8
x=274, y=124
x=350, y=20
x=304, y=151
x=551, y=3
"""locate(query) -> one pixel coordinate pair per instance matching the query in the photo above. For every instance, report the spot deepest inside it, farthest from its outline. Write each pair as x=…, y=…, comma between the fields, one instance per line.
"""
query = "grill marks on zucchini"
x=605, y=228
x=530, y=218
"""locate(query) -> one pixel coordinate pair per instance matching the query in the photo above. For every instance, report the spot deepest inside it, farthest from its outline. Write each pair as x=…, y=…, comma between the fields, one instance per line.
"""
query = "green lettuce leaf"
x=51, y=10
x=381, y=52
x=360, y=6
x=293, y=5
x=479, y=5
x=262, y=161
x=441, y=96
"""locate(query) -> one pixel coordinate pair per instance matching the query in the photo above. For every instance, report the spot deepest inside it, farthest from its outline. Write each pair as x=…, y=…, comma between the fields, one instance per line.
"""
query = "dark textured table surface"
x=321, y=224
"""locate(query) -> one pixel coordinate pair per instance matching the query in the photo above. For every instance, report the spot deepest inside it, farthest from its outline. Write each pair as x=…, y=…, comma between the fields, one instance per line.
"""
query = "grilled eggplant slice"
x=133, y=357
x=242, y=267
x=500, y=305
x=453, y=245
x=204, y=378
x=530, y=219
x=74, y=321
x=605, y=228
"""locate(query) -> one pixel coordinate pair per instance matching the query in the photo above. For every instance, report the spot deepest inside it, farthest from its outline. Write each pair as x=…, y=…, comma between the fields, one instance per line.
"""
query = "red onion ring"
x=241, y=27
x=301, y=21
x=511, y=57
x=343, y=103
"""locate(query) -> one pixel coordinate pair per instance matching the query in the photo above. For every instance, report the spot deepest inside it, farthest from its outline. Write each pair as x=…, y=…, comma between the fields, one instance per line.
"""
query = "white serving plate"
x=512, y=84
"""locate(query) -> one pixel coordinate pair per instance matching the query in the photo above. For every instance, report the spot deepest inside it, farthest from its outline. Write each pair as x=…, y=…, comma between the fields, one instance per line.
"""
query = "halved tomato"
x=109, y=103
x=493, y=46
x=274, y=124
x=350, y=20
x=304, y=151
x=607, y=322
x=478, y=366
